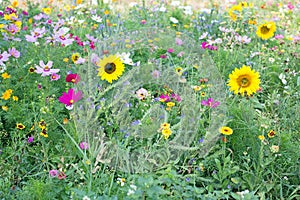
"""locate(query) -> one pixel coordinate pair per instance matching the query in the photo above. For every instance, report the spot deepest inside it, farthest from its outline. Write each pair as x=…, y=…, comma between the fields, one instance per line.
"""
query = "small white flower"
x=96, y=18
x=271, y=60
x=203, y=36
x=162, y=9
x=175, y=3
x=86, y=198
x=174, y=20
x=121, y=181
x=282, y=78
x=125, y=58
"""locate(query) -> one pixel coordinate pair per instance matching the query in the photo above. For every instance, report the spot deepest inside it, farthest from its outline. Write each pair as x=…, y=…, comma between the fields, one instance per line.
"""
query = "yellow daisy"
x=244, y=81
x=266, y=31
x=225, y=130
x=110, y=68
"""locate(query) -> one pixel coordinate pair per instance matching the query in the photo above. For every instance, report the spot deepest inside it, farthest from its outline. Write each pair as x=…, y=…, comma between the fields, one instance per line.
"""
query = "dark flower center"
x=264, y=30
x=110, y=68
x=46, y=69
x=244, y=81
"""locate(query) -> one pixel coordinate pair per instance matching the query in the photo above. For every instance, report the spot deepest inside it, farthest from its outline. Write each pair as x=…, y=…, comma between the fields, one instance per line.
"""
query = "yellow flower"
x=42, y=124
x=75, y=57
x=65, y=120
x=12, y=16
x=5, y=108
x=261, y=137
x=47, y=11
x=88, y=162
x=166, y=133
x=5, y=75
x=20, y=126
x=30, y=20
x=243, y=4
x=110, y=68
x=225, y=130
x=2, y=26
x=244, y=81
x=18, y=25
x=67, y=7
x=78, y=1
x=6, y=95
x=15, y=98
x=266, y=30
x=15, y=4
x=106, y=12
x=197, y=88
x=202, y=94
x=179, y=70
x=44, y=133
x=165, y=125
x=271, y=134
x=170, y=104
x=234, y=10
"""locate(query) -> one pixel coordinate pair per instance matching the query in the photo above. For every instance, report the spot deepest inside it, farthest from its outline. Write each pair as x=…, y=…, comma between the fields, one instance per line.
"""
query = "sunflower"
x=110, y=68
x=244, y=81
x=225, y=130
x=266, y=31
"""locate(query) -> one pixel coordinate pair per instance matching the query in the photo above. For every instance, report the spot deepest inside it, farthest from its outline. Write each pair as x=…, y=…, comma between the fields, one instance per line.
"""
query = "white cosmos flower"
x=174, y=20
x=125, y=58
x=96, y=18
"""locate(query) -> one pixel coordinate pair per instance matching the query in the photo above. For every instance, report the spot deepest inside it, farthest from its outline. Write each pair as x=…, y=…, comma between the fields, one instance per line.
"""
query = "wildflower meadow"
x=112, y=99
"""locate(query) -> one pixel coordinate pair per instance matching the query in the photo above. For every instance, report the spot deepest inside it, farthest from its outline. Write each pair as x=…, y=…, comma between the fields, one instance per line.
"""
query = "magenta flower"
x=210, y=102
x=74, y=78
x=30, y=139
x=176, y=97
x=71, y=97
x=163, y=56
x=14, y=52
x=170, y=50
x=45, y=70
x=164, y=98
x=54, y=77
x=53, y=172
x=84, y=145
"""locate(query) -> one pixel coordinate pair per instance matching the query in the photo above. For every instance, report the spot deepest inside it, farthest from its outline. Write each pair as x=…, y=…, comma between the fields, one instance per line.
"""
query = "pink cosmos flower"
x=35, y=34
x=170, y=50
x=142, y=94
x=14, y=52
x=53, y=172
x=54, y=77
x=45, y=70
x=210, y=102
x=83, y=145
x=178, y=41
x=4, y=57
x=30, y=139
x=176, y=97
x=71, y=97
x=61, y=175
x=74, y=78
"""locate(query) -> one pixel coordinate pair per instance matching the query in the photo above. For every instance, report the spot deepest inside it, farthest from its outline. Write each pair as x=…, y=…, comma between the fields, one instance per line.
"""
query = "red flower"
x=74, y=78
x=71, y=97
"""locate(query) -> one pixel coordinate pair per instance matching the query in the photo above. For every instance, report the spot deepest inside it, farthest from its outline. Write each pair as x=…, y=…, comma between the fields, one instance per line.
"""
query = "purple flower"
x=14, y=52
x=35, y=34
x=210, y=102
x=45, y=70
x=53, y=172
x=84, y=145
x=30, y=139
x=54, y=77
x=12, y=29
